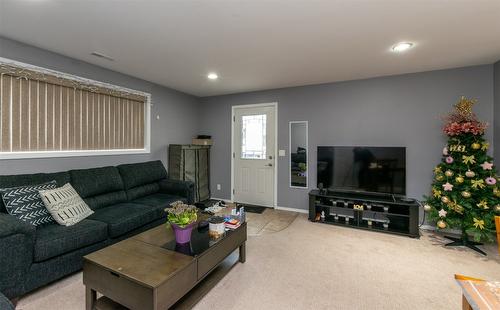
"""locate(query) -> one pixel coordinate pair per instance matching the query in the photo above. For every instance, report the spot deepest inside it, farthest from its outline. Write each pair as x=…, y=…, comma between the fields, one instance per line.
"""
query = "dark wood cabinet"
x=377, y=212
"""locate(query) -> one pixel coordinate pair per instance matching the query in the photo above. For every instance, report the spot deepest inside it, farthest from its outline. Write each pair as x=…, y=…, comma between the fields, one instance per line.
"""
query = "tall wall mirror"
x=298, y=154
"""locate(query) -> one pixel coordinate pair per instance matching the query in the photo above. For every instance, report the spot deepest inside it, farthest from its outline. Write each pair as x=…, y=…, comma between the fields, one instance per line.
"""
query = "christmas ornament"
x=464, y=107
x=497, y=208
x=466, y=194
x=477, y=184
x=437, y=170
x=436, y=193
x=445, y=199
x=442, y=213
x=457, y=148
x=448, y=173
x=468, y=159
x=478, y=223
x=491, y=181
x=487, y=166
x=476, y=146
x=496, y=192
x=439, y=177
x=470, y=174
x=441, y=224
x=485, y=146
x=445, y=151
x=448, y=186
x=449, y=160
x=459, y=179
x=427, y=208
x=483, y=204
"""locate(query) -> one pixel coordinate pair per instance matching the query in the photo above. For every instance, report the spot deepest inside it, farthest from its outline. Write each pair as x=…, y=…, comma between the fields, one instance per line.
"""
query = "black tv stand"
x=387, y=213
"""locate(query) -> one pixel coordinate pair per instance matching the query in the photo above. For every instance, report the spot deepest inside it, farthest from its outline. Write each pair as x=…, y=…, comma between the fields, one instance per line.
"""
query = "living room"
x=272, y=118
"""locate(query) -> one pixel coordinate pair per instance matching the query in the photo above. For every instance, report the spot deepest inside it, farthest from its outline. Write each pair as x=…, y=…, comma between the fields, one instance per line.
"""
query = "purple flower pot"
x=182, y=234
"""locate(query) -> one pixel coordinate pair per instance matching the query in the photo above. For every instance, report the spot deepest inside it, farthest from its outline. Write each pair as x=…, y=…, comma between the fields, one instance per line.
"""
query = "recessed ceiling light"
x=212, y=76
x=402, y=46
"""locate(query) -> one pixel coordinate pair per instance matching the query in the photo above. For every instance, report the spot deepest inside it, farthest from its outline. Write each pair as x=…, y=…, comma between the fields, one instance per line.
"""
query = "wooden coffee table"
x=149, y=271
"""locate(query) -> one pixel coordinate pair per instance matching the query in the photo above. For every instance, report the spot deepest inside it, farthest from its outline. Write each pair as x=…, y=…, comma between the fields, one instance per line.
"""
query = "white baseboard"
x=292, y=209
x=277, y=208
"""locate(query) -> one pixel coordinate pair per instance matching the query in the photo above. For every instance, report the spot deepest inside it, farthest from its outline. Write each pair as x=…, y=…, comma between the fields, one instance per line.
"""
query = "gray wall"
x=497, y=111
x=402, y=110
x=178, y=111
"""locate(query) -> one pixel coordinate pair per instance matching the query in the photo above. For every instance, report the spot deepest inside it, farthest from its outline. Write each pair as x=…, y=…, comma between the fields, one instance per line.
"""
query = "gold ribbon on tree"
x=483, y=204
x=478, y=223
x=477, y=183
x=468, y=159
x=436, y=193
x=456, y=207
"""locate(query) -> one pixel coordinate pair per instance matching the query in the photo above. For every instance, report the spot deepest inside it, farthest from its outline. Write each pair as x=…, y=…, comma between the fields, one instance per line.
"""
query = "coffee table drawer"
x=217, y=253
x=120, y=289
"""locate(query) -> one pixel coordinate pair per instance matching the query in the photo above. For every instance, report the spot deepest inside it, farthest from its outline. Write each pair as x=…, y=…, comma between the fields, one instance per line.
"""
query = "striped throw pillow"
x=65, y=205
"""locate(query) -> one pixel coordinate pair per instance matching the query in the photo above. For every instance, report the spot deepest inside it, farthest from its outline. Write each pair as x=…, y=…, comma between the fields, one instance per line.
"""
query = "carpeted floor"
x=315, y=266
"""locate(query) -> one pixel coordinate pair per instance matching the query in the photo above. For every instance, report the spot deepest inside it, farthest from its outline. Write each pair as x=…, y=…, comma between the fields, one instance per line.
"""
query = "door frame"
x=257, y=105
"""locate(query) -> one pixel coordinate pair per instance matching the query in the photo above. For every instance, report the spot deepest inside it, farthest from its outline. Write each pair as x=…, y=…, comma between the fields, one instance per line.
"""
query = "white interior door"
x=254, y=158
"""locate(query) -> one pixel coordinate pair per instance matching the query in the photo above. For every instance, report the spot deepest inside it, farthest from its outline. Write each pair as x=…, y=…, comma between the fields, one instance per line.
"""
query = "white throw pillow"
x=65, y=205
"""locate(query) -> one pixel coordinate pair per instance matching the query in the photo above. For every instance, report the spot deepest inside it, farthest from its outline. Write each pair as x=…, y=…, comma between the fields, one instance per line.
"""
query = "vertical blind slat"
x=49, y=126
x=16, y=115
x=5, y=85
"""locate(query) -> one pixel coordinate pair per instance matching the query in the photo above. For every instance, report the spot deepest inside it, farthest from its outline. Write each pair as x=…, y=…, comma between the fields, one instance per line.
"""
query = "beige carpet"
x=315, y=266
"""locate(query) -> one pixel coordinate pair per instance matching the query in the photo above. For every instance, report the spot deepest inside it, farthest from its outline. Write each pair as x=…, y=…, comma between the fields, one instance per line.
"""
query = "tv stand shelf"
x=371, y=211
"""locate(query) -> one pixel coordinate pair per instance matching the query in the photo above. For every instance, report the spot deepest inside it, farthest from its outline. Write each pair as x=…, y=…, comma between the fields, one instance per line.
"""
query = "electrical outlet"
x=218, y=187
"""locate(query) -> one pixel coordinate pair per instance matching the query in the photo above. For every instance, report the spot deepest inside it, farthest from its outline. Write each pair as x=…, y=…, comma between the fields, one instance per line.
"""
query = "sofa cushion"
x=54, y=240
x=104, y=200
x=124, y=217
x=159, y=201
x=31, y=179
x=103, y=184
x=65, y=205
x=25, y=203
x=143, y=190
x=134, y=175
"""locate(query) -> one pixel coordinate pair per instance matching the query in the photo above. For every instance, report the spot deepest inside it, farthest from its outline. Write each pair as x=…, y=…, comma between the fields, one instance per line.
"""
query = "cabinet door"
x=203, y=181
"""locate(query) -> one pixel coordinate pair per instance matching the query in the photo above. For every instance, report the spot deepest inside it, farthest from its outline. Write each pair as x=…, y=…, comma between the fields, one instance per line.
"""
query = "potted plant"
x=182, y=218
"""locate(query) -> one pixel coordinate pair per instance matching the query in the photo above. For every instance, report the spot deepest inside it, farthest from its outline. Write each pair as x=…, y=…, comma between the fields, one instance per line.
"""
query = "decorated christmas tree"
x=465, y=193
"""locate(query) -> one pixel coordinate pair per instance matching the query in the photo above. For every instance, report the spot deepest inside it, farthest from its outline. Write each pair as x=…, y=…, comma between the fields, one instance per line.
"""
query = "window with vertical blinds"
x=43, y=113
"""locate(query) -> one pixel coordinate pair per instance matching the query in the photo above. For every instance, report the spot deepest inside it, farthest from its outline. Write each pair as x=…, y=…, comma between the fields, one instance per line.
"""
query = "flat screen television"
x=362, y=168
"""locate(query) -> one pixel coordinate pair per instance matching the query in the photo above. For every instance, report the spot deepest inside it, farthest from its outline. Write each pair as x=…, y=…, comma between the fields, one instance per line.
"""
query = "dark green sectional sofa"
x=126, y=200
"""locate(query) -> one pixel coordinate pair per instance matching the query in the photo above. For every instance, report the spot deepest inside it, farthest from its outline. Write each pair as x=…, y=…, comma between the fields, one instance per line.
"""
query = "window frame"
x=80, y=153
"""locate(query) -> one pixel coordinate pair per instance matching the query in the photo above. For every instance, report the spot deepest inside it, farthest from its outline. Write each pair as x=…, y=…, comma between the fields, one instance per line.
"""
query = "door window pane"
x=253, y=137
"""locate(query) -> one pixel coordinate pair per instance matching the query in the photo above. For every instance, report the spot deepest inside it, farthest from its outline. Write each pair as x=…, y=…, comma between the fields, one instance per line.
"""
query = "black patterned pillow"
x=25, y=203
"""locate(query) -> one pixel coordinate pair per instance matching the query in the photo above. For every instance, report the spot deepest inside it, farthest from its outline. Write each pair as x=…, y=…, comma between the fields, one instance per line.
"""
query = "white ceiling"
x=259, y=44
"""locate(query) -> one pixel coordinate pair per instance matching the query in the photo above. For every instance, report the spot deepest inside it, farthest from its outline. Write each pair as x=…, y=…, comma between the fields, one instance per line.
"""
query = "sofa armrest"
x=178, y=188
x=10, y=225
x=17, y=240
x=5, y=303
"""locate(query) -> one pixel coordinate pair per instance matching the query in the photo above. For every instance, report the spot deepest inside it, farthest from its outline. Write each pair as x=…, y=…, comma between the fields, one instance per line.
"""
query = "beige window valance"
x=43, y=111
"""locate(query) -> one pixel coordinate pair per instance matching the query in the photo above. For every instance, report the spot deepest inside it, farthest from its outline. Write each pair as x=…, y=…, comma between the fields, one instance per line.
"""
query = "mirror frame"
x=290, y=154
